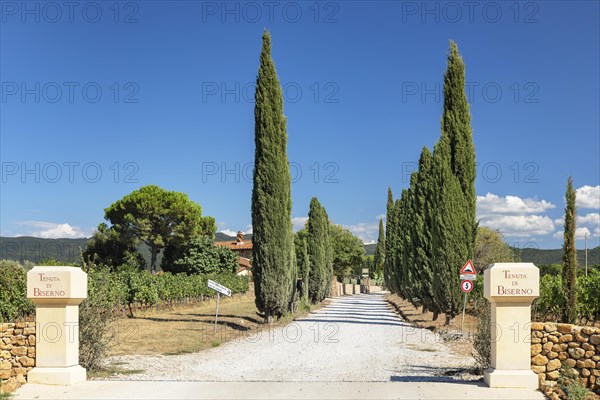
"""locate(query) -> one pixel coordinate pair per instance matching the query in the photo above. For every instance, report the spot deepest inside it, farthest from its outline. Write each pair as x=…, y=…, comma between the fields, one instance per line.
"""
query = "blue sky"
x=104, y=97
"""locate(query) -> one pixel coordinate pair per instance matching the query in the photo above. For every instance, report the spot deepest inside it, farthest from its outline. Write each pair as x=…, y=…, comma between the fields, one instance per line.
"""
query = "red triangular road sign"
x=468, y=269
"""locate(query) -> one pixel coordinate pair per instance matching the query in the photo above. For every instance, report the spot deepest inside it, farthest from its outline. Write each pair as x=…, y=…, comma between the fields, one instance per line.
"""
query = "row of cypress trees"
x=277, y=261
x=431, y=228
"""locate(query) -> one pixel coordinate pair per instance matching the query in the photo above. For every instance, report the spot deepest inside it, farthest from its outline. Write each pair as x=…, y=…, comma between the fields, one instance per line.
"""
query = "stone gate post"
x=57, y=293
x=511, y=287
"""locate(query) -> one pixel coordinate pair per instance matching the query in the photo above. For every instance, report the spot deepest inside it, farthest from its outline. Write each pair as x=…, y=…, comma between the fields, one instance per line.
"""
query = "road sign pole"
x=462, y=324
x=217, y=312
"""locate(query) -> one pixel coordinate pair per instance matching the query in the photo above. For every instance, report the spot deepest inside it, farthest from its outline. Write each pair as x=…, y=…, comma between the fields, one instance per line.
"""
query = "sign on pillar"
x=511, y=288
x=57, y=293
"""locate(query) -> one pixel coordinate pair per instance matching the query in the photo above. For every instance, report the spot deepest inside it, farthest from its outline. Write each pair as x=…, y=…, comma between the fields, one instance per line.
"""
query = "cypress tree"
x=305, y=269
x=456, y=126
x=271, y=194
x=397, y=249
x=423, y=209
x=319, y=252
x=569, y=272
x=379, y=256
x=449, y=244
x=454, y=222
x=390, y=240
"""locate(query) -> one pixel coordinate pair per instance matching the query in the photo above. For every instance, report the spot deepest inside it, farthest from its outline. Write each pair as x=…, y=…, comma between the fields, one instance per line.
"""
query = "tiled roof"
x=235, y=245
x=244, y=262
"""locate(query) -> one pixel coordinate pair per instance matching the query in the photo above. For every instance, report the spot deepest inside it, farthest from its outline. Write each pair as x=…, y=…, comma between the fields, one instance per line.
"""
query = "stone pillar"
x=511, y=287
x=57, y=293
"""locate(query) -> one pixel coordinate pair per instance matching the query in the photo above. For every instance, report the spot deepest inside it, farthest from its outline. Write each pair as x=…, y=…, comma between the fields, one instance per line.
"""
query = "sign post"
x=467, y=275
x=510, y=288
x=219, y=289
x=57, y=293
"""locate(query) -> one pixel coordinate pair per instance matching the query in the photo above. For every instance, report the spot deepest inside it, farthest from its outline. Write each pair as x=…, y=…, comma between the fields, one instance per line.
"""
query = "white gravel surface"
x=354, y=338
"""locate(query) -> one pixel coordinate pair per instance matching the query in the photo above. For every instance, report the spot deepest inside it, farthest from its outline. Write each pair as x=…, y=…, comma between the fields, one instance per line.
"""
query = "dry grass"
x=425, y=320
x=188, y=330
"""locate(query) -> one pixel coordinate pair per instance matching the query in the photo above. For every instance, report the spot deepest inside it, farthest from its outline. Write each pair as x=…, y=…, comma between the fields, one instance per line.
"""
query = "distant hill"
x=36, y=249
x=65, y=250
x=370, y=249
x=68, y=250
x=539, y=256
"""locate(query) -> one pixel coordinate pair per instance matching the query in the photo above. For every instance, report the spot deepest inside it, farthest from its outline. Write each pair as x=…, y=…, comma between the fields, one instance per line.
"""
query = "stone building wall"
x=554, y=345
x=17, y=353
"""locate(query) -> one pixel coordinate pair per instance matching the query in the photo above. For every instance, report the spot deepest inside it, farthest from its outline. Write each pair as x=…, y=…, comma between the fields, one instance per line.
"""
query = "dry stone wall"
x=17, y=353
x=555, y=345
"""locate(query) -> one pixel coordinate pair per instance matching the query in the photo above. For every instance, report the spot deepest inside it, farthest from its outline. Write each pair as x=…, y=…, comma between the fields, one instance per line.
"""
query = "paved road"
x=354, y=348
x=352, y=339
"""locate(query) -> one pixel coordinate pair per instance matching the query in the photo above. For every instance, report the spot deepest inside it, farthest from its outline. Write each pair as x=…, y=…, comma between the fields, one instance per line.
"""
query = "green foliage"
x=272, y=270
x=201, y=256
x=550, y=269
x=348, y=251
x=569, y=383
x=157, y=217
x=13, y=294
x=390, y=244
x=569, y=272
x=551, y=302
x=110, y=248
x=302, y=260
x=422, y=230
x=320, y=253
x=588, y=296
x=490, y=248
x=379, y=256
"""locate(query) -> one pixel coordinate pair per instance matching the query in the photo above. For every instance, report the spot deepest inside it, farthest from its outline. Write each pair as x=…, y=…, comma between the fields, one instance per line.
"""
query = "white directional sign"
x=468, y=277
x=219, y=288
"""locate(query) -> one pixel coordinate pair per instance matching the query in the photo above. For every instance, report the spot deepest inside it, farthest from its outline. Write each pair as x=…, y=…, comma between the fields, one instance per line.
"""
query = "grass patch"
x=111, y=370
x=189, y=330
x=5, y=396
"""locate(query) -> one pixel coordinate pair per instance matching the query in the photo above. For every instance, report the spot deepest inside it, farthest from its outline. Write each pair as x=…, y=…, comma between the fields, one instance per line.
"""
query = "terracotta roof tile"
x=235, y=245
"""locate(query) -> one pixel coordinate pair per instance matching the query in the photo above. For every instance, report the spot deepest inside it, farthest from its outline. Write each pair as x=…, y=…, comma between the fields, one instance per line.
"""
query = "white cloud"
x=494, y=204
x=51, y=230
x=519, y=225
x=580, y=233
x=299, y=222
x=588, y=197
x=366, y=231
x=591, y=219
x=229, y=232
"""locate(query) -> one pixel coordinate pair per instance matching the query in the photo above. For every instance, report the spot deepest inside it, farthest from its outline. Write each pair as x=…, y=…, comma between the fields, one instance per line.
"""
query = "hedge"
x=119, y=289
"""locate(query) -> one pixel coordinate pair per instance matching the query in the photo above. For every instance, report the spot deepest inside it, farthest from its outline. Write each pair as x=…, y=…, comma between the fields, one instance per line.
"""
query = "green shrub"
x=200, y=256
x=551, y=302
x=13, y=294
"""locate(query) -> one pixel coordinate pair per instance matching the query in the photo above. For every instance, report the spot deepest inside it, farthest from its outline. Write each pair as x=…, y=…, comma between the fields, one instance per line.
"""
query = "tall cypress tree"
x=305, y=269
x=454, y=223
x=379, y=256
x=569, y=272
x=456, y=126
x=448, y=243
x=423, y=208
x=271, y=194
x=397, y=250
x=319, y=252
x=390, y=240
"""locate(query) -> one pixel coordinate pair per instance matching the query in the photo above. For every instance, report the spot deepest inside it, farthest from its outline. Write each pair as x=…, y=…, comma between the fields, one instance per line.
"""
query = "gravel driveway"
x=354, y=338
